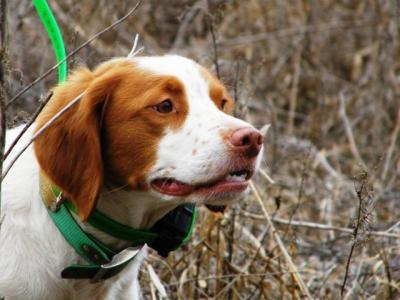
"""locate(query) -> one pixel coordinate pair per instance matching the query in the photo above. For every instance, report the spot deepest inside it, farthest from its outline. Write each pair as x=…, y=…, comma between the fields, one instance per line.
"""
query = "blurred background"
x=326, y=75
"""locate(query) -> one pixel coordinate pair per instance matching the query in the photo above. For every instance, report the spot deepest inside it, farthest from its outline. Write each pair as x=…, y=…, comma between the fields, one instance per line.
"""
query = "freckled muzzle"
x=238, y=165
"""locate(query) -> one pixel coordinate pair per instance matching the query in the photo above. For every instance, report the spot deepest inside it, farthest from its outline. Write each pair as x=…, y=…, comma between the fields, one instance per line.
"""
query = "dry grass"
x=326, y=74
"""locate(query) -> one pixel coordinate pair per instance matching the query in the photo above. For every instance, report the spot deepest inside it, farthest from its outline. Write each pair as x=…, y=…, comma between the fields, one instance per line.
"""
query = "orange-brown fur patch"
x=218, y=92
x=112, y=134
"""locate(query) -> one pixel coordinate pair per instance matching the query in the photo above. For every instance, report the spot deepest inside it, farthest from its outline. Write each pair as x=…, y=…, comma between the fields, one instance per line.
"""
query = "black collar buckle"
x=174, y=229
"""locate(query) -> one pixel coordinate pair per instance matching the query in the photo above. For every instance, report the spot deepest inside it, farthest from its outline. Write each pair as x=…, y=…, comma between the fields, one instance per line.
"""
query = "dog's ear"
x=69, y=151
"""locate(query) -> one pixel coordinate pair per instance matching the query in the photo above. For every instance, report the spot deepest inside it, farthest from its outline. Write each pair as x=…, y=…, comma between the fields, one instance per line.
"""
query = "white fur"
x=200, y=133
x=33, y=252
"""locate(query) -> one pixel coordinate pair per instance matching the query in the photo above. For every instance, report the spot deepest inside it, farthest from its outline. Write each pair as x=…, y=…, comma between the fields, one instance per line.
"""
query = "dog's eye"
x=223, y=103
x=164, y=107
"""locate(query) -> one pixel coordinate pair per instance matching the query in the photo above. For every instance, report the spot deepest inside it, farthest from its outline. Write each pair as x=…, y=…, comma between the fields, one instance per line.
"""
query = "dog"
x=147, y=135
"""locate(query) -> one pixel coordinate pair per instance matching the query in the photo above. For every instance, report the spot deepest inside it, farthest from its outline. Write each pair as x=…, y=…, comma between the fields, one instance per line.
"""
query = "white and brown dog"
x=149, y=134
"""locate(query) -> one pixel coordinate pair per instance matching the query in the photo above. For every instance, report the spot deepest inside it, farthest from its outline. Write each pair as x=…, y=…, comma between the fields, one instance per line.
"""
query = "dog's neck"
x=137, y=209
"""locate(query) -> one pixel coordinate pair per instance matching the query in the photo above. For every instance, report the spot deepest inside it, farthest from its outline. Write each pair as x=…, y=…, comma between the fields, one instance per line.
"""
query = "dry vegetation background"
x=326, y=75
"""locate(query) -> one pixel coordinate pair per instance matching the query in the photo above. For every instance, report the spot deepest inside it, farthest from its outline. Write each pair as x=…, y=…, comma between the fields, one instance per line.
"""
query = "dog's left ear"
x=69, y=151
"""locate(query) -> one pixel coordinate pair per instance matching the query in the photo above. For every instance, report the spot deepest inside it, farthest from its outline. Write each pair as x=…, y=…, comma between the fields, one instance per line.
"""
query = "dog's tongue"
x=172, y=187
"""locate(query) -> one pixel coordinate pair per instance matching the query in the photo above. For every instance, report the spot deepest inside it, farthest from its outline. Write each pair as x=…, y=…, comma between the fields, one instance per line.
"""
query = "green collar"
x=168, y=234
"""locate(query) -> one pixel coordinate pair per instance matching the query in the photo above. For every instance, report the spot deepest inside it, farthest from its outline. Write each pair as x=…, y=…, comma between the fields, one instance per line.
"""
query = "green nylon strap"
x=192, y=225
x=50, y=24
x=76, y=237
x=105, y=224
x=100, y=221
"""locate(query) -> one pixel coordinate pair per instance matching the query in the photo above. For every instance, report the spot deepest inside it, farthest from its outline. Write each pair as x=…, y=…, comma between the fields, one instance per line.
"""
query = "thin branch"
x=236, y=83
x=185, y=24
x=246, y=275
x=384, y=258
x=349, y=132
x=29, y=124
x=355, y=235
x=319, y=226
x=230, y=244
x=291, y=265
x=41, y=130
x=134, y=50
x=3, y=51
x=266, y=176
x=97, y=35
x=294, y=90
x=391, y=148
x=214, y=41
x=301, y=190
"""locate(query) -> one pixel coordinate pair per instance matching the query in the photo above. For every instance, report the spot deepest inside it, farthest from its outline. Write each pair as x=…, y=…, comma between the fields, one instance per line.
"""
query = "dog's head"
x=155, y=124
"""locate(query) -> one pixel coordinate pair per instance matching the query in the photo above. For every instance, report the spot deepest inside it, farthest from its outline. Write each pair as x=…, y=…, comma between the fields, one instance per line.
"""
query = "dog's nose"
x=247, y=140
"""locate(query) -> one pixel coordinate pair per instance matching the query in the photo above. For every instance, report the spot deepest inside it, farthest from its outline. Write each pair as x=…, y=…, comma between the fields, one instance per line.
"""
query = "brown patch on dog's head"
x=112, y=134
x=218, y=92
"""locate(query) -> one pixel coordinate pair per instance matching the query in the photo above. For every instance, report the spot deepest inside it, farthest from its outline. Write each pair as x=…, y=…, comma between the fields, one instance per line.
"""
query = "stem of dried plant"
x=319, y=226
x=40, y=132
x=3, y=51
x=214, y=41
x=391, y=148
x=28, y=125
x=360, y=198
x=349, y=131
x=278, y=240
x=294, y=90
x=383, y=255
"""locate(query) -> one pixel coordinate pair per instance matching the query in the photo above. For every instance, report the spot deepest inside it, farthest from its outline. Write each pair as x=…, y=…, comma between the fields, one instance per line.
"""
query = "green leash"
x=50, y=24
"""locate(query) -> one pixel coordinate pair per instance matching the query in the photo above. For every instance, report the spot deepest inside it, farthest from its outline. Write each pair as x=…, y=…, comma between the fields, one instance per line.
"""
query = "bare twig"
x=184, y=24
x=230, y=244
x=3, y=51
x=319, y=226
x=301, y=189
x=266, y=274
x=384, y=258
x=41, y=130
x=236, y=83
x=97, y=35
x=360, y=197
x=291, y=265
x=214, y=41
x=134, y=50
x=349, y=131
x=391, y=148
x=29, y=124
x=290, y=32
x=294, y=90
x=393, y=227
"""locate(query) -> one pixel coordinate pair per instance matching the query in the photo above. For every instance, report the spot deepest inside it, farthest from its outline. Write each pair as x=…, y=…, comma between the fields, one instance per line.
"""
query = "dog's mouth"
x=236, y=181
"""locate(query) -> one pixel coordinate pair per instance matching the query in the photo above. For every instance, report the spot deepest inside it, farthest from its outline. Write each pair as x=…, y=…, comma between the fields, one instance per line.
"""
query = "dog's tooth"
x=236, y=178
